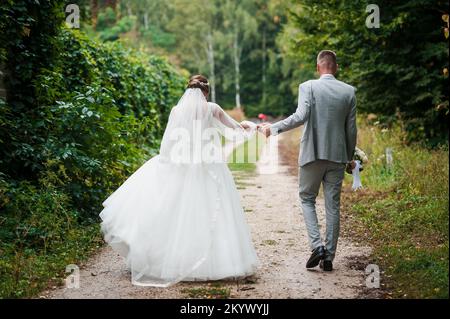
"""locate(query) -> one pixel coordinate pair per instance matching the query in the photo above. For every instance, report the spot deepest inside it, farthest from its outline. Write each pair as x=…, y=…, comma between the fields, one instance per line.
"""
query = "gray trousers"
x=331, y=175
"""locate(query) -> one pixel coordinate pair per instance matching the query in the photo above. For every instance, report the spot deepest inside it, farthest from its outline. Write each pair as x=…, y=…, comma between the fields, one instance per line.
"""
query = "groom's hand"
x=264, y=128
x=350, y=166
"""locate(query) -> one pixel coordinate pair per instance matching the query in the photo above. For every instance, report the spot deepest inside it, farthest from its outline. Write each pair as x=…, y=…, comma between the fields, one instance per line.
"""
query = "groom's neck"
x=326, y=72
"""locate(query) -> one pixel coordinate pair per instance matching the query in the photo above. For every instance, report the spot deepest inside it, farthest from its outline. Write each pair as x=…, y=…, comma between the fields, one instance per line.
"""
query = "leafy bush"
x=100, y=113
x=106, y=19
x=109, y=27
x=39, y=236
x=34, y=218
x=28, y=32
x=80, y=116
x=91, y=147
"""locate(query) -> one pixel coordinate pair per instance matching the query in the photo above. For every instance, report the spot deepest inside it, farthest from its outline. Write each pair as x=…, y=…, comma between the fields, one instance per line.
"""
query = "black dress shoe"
x=317, y=255
x=326, y=265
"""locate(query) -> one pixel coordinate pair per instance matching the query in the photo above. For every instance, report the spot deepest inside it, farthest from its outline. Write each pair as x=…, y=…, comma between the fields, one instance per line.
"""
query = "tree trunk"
x=2, y=84
x=94, y=12
x=129, y=9
x=197, y=58
x=146, y=20
x=211, y=63
x=237, y=70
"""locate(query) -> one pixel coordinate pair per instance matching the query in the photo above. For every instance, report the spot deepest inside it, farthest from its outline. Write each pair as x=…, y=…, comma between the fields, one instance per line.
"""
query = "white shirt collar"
x=327, y=76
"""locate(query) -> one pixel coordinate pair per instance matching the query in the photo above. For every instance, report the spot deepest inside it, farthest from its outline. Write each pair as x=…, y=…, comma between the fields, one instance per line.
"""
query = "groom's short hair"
x=327, y=59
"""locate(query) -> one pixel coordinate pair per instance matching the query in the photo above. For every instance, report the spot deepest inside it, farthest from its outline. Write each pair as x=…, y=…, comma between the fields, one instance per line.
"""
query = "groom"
x=327, y=107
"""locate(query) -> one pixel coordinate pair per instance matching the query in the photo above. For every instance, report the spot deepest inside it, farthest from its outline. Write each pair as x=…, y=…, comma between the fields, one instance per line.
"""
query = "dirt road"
x=271, y=205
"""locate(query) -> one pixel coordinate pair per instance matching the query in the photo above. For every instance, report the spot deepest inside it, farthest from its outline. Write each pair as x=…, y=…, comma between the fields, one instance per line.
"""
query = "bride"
x=179, y=216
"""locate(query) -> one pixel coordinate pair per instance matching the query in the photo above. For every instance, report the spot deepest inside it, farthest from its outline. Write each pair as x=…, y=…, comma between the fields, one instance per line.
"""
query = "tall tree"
x=241, y=26
x=197, y=34
x=397, y=67
x=94, y=11
x=231, y=42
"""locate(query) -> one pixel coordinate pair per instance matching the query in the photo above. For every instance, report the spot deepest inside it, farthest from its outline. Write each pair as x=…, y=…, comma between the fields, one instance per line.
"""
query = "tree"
x=240, y=26
x=27, y=31
x=197, y=35
x=233, y=43
x=393, y=67
x=96, y=6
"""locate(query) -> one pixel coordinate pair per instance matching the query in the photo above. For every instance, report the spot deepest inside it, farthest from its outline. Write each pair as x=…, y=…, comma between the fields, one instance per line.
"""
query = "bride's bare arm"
x=225, y=121
x=223, y=117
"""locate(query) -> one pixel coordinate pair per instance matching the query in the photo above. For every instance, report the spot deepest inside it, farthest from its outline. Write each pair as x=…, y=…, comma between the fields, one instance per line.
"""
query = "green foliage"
x=403, y=213
x=110, y=28
x=200, y=36
x=27, y=45
x=39, y=237
x=397, y=68
x=95, y=97
x=79, y=118
x=159, y=38
x=34, y=218
x=267, y=87
x=214, y=292
x=106, y=19
x=90, y=147
x=244, y=157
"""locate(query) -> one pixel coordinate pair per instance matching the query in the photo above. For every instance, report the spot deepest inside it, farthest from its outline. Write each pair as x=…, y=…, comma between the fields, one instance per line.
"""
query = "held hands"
x=245, y=125
x=248, y=126
x=264, y=128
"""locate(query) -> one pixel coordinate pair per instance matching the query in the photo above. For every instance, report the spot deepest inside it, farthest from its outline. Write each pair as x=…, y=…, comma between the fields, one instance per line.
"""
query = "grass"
x=25, y=272
x=40, y=234
x=269, y=242
x=215, y=291
x=402, y=213
x=243, y=158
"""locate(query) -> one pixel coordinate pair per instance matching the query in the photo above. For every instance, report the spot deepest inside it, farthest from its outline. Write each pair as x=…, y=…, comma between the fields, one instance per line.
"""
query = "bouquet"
x=356, y=166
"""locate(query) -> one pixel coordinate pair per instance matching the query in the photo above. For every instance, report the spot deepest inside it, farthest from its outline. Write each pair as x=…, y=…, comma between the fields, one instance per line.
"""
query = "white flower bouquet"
x=359, y=158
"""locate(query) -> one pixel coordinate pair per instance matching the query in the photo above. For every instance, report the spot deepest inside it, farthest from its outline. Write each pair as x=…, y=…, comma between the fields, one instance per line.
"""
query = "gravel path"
x=271, y=205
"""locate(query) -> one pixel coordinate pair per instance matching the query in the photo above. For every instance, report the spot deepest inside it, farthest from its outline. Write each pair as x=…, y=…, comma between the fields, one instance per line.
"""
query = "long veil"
x=193, y=131
x=182, y=140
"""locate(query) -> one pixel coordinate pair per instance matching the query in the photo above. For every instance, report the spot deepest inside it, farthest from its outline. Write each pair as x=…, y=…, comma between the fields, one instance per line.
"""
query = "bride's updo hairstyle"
x=199, y=82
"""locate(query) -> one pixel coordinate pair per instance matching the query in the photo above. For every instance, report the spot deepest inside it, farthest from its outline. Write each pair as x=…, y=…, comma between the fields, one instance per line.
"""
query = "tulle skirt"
x=179, y=222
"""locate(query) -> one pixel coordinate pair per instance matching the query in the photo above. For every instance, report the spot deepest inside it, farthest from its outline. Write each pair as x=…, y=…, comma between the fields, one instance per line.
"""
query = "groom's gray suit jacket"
x=327, y=107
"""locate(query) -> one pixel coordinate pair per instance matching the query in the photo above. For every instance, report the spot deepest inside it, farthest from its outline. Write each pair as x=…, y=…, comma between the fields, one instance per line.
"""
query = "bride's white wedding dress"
x=179, y=216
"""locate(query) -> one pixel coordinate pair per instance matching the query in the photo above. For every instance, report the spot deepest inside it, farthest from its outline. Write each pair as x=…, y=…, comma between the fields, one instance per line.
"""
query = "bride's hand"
x=247, y=125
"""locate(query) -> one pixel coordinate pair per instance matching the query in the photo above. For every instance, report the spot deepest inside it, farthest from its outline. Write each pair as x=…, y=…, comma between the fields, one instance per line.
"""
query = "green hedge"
x=100, y=111
x=74, y=126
